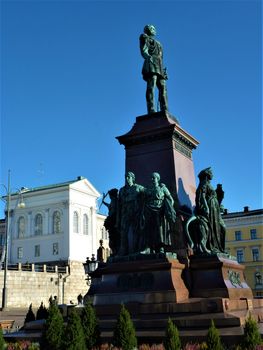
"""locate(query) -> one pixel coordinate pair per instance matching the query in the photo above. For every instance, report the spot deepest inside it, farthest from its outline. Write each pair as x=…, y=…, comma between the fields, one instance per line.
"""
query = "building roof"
x=42, y=188
x=244, y=213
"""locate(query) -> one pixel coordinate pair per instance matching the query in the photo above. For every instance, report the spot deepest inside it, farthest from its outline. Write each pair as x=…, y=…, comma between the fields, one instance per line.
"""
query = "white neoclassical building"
x=58, y=223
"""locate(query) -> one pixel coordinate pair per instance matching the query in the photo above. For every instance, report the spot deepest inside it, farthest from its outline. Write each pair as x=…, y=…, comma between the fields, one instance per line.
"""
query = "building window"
x=56, y=222
x=240, y=255
x=253, y=233
x=258, y=279
x=75, y=222
x=21, y=225
x=238, y=235
x=19, y=252
x=255, y=254
x=38, y=225
x=107, y=252
x=37, y=250
x=85, y=224
x=55, y=248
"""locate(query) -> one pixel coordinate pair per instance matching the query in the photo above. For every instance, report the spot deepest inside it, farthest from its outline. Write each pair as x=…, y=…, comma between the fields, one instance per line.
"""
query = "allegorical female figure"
x=110, y=222
x=207, y=228
x=129, y=209
x=158, y=213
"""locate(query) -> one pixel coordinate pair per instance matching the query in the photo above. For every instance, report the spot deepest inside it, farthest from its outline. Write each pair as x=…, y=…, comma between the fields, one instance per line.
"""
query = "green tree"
x=172, y=339
x=42, y=312
x=213, y=339
x=30, y=316
x=251, y=334
x=90, y=326
x=124, y=333
x=2, y=341
x=74, y=336
x=54, y=328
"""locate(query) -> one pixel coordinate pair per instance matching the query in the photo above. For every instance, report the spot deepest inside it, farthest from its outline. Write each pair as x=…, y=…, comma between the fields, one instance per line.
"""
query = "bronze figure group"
x=141, y=219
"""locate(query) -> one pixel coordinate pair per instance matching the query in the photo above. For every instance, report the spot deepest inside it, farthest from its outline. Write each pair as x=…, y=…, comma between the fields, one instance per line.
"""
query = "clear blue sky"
x=71, y=82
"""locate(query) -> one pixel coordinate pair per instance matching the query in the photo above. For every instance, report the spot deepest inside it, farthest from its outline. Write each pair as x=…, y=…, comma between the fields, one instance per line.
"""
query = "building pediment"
x=85, y=186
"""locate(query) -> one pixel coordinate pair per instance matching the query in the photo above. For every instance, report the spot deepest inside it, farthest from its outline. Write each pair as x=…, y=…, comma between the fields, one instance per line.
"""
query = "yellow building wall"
x=244, y=245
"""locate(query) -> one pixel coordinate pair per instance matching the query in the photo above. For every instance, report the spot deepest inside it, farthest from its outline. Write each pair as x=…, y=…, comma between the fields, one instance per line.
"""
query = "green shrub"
x=213, y=339
x=42, y=313
x=54, y=329
x=251, y=335
x=90, y=326
x=30, y=316
x=172, y=340
x=2, y=341
x=124, y=333
x=74, y=336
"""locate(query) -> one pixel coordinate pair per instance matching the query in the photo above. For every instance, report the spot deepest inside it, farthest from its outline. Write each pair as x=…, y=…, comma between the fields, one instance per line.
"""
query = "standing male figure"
x=153, y=72
x=159, y=214
x=129, y=210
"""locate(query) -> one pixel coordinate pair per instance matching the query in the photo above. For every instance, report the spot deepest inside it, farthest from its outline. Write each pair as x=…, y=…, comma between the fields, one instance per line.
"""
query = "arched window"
x=85, y=224
x=56, y=222
x=38, y=225
x=75, y=222
x=107, y=252
x=21, y=226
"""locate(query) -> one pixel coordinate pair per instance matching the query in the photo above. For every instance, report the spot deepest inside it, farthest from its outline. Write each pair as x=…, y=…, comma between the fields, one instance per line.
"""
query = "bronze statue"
x=128, y=218
x=158, y=215
x=110, y=222
x=206, y=230
x=153, y=71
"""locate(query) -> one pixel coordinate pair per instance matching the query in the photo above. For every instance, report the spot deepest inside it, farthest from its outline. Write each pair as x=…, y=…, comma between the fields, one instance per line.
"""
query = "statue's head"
x=206, y=173
x=113, y=192
x=149, y=29
x=130, y=178
x=156, y=178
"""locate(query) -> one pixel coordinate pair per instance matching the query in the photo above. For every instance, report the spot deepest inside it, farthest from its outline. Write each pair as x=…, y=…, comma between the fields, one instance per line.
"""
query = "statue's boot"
x=150, y=108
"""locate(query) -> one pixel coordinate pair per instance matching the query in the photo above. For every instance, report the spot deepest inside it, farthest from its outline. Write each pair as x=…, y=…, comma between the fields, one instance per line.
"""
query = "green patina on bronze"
x=206, y=229
x=140, y=218
x=153, y=71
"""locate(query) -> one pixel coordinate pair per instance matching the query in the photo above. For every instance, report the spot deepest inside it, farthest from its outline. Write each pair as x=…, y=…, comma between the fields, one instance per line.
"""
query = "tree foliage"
x=74, y=336
x=213, y=339
x=90, y=326
x=42, y=313
x=251, y=334
x=172, y=339
x=30, y=316
x=2, y=341
x=54, y=328
x=124, y=333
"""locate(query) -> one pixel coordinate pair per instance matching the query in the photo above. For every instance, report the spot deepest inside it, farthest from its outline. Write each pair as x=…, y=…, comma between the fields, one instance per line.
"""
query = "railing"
x=36, y=268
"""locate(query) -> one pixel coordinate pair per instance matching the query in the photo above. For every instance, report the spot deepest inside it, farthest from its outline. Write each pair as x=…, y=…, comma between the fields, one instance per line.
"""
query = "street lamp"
x=90, y=266
x=7, y=226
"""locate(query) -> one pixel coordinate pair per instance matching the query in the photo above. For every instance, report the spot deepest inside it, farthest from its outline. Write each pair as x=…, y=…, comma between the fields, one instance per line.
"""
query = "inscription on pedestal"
x=131, y=281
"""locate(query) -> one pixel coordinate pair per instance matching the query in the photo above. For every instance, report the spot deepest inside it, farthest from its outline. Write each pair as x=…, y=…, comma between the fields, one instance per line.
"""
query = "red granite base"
x=142, y=281
x=215, y=276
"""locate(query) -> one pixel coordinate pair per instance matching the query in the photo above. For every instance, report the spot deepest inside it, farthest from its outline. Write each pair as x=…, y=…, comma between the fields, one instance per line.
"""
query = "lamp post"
x=7, y=229
x=4, y=295
x=90, y=267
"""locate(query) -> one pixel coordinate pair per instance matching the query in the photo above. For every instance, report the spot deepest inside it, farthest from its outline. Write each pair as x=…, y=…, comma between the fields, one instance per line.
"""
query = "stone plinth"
x=156, y=142
x=141, y=281
x=215, y=276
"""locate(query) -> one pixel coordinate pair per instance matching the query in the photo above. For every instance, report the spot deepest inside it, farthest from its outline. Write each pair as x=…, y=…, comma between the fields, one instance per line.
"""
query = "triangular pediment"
x=84, y=185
